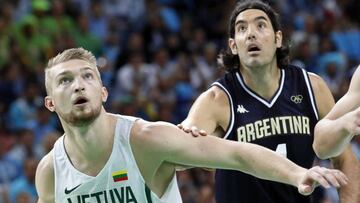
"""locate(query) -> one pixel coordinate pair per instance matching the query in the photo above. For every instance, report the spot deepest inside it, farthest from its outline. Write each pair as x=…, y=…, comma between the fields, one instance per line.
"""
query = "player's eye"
x=261, y=25
x=65, y=81
x=241, y=28
x=88, y=76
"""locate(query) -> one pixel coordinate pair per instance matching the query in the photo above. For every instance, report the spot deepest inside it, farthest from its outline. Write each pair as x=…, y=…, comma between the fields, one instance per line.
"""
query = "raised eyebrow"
x=66, y=72
x=239, y=22
x=62, y=73
x=86, y=68
x=261, y=18
x=255, y=19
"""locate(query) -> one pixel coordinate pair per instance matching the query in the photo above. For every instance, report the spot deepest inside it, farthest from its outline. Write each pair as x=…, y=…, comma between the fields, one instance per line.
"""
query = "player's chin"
x=83, y=118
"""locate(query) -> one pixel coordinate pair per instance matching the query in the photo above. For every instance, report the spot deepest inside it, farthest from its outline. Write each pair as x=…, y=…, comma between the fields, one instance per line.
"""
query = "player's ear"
x=232, y=46
x=278, y=39
x=49, y=103
x=104, y=94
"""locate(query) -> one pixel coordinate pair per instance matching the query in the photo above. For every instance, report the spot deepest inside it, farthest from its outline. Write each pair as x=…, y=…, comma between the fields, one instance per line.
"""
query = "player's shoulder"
x=45, y=178
x=317, y=82
x=215, y=95
x=144, y=129
x=144, y=132
x=46, y=165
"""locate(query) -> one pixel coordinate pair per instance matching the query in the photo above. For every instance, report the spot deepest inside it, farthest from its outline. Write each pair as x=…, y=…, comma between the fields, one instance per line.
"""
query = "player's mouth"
x=253, y=49
x=80, y=101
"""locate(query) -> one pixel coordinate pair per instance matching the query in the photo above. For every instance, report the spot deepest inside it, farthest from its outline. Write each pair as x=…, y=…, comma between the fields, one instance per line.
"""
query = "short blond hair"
x=67, y=55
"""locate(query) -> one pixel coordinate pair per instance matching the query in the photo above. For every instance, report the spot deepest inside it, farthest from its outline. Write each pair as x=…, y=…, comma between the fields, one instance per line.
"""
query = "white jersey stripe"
x=310, y=93
x=266, y=103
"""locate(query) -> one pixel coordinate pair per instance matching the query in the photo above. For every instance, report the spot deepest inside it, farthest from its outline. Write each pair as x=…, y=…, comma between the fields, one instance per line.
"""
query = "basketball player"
x=341, y=124
x=104, y=157
x=263, y=100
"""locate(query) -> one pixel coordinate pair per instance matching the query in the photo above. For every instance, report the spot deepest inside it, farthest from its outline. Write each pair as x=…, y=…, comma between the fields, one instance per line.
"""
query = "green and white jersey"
x=120, y=181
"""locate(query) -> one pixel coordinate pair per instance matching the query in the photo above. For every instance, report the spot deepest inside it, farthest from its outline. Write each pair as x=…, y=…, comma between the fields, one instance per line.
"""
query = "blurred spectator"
x=9, y=168
x=47, y=144
x=98, y=21
x=155, y=32
x=132, y=10
x=34, y=45
x=10, y=84
x=135, y=77
x=22, y=112
x=84, y=38
x=25, y=183
x=44, y=123
x=203, y=73
x=24, y=147
x=24, y=197
x=185, y=92
x=134, y=44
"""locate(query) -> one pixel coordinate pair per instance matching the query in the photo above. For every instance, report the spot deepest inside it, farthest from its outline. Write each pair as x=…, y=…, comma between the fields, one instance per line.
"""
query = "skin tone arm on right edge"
x=168, y=144
x=346, y=161
x=44, y=179
x=341, y=124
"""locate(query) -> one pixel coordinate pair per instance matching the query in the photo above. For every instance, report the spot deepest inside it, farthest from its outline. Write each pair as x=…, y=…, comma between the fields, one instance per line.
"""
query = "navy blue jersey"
x=284, y=124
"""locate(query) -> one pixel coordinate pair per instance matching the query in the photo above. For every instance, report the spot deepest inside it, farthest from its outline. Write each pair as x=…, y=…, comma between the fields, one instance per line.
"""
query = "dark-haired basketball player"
x=263, y=100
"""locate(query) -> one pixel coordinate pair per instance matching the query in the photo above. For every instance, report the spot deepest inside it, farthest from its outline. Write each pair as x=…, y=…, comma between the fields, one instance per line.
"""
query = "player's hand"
x=320, y=176
x=193, y=130
x=352, y=122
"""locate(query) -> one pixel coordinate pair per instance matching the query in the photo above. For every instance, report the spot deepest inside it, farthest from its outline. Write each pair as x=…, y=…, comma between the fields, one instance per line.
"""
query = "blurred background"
x=155, y=58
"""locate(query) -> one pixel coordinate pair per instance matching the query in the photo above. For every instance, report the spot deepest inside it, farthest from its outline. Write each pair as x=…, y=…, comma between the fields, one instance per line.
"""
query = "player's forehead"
x=71, y=66
x=251, y=15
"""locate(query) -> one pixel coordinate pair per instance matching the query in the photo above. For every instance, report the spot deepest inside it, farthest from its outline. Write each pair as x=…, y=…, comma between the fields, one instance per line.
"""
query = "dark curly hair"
x=230, y=61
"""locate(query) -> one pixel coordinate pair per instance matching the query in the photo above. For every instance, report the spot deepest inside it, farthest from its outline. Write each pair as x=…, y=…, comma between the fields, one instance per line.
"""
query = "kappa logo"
x=297, y=99
x=241, y=109
x=69, y=191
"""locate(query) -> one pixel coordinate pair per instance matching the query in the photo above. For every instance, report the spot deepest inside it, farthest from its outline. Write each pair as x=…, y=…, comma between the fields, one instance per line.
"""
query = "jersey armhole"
x=311, y=93
x=232, y=116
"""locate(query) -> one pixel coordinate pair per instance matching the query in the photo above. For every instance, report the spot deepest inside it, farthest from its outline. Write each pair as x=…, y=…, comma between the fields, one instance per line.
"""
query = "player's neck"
x=89, y=147
x=262, y=80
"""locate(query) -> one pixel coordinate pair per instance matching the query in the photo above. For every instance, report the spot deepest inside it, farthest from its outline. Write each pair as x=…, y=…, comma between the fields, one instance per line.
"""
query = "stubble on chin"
x=80, y=119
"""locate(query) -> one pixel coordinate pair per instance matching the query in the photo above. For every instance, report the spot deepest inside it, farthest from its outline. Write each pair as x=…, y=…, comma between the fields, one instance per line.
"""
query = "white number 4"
x=281, y=150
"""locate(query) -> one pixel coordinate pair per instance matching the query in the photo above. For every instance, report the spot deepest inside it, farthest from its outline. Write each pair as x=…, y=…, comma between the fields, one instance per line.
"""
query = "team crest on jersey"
x=297, y=99
x=241, y=109
x=120, y=175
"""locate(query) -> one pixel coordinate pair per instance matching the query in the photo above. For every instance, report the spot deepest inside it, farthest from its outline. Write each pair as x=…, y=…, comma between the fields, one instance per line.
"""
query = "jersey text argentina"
x=284, y=124
x=274, y=126
x=119, y=181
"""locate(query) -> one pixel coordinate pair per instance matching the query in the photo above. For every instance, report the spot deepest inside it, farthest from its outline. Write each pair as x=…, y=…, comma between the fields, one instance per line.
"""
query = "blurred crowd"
x=155, y=58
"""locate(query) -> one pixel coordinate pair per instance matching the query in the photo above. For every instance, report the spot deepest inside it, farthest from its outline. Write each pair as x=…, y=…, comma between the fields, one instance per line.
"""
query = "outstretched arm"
x=169, y=144
x=324, y=143
x=335, y=131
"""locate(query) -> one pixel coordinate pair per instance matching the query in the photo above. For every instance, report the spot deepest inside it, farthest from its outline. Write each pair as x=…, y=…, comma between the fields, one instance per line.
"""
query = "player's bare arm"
x=346, y=161
x=341, y=124
x=167, y=144
x=44, y=179
x=210, y=113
